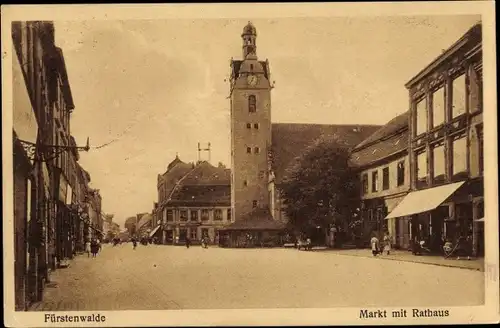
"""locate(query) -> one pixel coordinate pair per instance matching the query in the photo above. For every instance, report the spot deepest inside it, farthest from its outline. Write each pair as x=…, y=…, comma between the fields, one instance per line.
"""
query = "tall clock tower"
x=250, y=97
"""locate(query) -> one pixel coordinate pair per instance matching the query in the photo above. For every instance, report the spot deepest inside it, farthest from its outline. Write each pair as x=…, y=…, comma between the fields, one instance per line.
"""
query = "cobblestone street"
x=167, y=277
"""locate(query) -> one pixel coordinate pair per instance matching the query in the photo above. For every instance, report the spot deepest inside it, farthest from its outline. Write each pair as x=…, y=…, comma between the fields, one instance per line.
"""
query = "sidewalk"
x=406, y=256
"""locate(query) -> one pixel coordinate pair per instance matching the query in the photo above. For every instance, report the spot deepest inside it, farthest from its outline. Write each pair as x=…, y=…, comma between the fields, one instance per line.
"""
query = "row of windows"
x=255, y=126
x=185, y=215
x=385, y=179
x=256, y=150
x=432, y=112
x=375, y=214
x=439, y=161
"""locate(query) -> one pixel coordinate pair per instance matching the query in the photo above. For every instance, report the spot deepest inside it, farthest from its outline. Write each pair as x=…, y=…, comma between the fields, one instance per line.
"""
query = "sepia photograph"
x=249, y=160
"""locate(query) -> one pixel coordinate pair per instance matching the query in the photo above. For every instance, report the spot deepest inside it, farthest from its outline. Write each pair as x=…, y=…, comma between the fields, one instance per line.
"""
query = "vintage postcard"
x=250, y=164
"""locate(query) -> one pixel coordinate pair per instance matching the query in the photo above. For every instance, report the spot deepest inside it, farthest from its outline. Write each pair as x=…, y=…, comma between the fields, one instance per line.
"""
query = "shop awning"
x=424, y=200
x=151, y=234
x=480, y=220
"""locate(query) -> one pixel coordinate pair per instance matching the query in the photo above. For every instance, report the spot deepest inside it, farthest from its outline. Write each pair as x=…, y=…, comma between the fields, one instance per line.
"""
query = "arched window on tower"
x=252, y=103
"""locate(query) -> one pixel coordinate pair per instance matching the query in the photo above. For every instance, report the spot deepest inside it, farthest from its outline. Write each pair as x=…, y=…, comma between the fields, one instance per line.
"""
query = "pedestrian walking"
x=134, y=242
x=375, y=245
x=94, y=247
x=188, y=242
x=87, y=247
x=387, y=243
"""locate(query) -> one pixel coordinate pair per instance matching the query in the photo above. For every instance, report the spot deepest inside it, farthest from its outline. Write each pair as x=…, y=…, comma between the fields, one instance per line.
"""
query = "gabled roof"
x=201, y=195
x=258, y=219
x=398, y=123
x=176, y=168
x=204, y=185
x=390, y=139
x=289, y=140
x=205, y=173
x=381, y=150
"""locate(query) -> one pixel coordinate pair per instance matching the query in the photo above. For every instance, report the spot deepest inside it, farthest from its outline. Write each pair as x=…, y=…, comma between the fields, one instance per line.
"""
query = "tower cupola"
x=249, y=37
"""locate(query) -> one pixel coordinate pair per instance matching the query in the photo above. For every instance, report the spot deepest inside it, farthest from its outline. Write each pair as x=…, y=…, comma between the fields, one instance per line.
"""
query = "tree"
x=320, y=188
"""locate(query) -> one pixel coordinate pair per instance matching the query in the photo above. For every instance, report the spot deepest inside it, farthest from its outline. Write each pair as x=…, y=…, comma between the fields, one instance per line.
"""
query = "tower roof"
x=174, y=163
x=249, y=29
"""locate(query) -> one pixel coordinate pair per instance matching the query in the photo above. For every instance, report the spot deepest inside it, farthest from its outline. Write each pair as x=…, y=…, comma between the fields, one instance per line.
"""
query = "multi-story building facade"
x=31, y=113
x=446, y=147
x=384, y=176
x=95, y=214
x=198, y=203
x=46, y=181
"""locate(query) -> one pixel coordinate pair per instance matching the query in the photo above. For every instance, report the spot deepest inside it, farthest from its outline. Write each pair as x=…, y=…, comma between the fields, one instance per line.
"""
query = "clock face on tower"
x=252, y=80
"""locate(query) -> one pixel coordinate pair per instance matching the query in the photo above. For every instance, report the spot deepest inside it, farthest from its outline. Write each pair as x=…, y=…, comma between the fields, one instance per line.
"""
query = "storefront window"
x=170, y=216
x=459, y=157
x=421, y=112
x=459, y=96
x=438, y=107
x=193, y=233
x=438, y=163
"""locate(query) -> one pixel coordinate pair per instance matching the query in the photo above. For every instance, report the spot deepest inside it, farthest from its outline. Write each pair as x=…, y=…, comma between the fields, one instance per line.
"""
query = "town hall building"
x=261, y=153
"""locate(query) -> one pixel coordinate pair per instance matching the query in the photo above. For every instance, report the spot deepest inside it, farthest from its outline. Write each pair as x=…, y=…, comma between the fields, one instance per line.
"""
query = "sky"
x=154, y=88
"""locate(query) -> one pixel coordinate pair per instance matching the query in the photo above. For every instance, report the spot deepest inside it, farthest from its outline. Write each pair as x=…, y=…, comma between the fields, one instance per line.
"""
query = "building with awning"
x=384, y=176
x=446, y=147
x=154, y=231
x=423, y=200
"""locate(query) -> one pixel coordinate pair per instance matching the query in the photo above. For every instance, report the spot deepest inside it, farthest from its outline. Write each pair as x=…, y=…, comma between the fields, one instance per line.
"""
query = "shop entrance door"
x=437, y=227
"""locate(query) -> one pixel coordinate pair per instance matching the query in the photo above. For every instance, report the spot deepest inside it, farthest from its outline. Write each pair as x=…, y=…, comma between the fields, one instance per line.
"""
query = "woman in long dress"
x=375, y=245
x=87, y=247
x=387, y=243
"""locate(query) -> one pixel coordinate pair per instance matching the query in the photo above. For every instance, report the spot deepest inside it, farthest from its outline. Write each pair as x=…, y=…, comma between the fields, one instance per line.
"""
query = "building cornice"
x=469, y=37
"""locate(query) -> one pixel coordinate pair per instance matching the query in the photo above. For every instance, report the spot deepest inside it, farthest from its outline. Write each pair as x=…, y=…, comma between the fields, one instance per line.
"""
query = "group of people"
x=204, y=242
x=376, y=247
x=93, y=247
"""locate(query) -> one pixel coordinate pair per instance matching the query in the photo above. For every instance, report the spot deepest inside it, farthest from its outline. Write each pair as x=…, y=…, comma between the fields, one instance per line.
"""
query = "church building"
x=261, y=151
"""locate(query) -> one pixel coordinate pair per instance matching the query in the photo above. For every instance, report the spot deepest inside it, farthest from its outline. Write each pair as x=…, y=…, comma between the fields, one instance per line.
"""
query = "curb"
x=418, y=262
